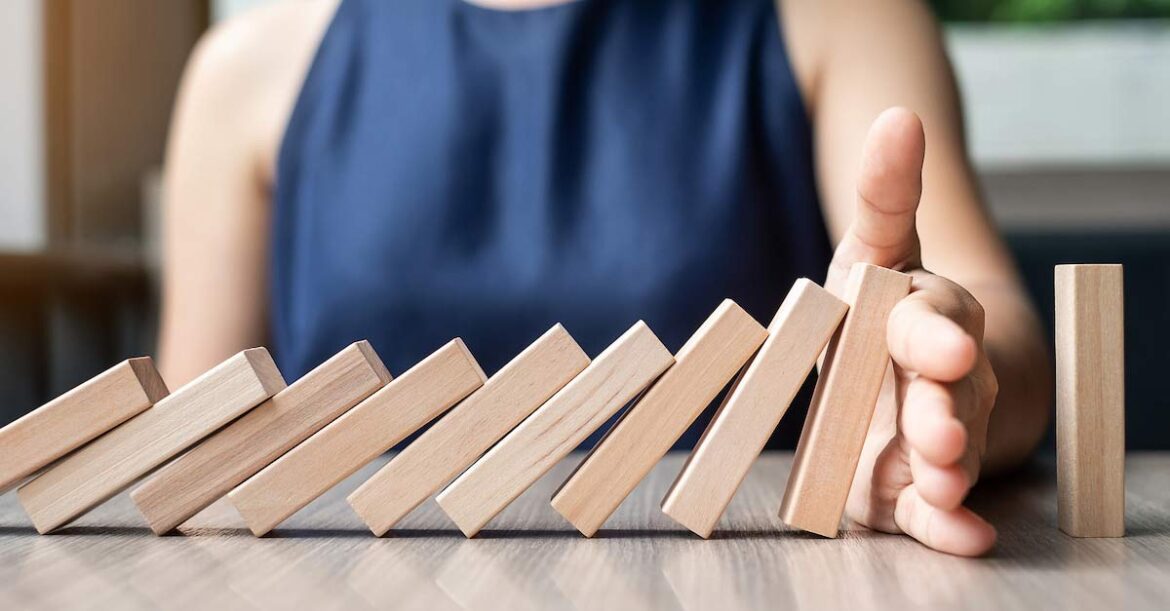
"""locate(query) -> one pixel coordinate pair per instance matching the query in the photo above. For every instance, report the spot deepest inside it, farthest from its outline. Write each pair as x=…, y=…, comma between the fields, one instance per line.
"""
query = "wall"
x=1083, y=94
x=222, y=9
x=22, y=163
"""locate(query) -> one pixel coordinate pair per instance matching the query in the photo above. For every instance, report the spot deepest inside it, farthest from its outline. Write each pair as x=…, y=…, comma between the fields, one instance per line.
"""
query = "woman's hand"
x=929, y=431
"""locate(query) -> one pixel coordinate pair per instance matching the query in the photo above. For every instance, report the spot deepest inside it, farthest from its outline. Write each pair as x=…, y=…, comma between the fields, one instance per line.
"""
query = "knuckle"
x=956, y=303
x=968, y=310
x=988, y=385
x=975, y=311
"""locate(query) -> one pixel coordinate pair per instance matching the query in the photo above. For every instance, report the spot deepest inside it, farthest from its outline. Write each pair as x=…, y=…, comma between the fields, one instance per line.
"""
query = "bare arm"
x=236, y=94
x=969, y=391
x=857, y=58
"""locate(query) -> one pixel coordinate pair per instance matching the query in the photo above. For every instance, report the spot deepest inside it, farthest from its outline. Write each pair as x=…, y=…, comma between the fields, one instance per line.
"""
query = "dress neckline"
x=490, y=8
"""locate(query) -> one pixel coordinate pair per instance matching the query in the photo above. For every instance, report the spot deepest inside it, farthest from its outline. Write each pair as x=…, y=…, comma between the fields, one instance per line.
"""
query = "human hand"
x=929, y=431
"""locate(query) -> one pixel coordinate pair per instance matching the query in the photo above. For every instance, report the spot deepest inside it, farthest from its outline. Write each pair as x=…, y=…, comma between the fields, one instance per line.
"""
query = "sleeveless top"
x=451, y=170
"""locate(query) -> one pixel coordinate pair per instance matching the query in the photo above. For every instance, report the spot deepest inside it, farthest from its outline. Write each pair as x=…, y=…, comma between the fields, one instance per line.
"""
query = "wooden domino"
x=856, y=362
x=236, y=452
x=629, y=450
x=1090, y=400
x=615, y=377
x=68, y=422
x=469, y=430
x=113, y=461
x=357, y=437
x=750, y=412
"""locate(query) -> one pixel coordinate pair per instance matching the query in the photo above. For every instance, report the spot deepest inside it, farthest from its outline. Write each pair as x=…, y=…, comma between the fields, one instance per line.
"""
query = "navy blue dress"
x=453, y=170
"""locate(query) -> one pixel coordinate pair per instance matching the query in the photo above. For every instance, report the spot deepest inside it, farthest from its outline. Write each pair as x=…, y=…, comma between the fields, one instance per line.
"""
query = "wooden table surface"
x=529, y=557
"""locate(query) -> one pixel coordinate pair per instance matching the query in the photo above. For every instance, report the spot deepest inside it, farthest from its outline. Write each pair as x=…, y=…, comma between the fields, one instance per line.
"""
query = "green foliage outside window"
x=1049, y=10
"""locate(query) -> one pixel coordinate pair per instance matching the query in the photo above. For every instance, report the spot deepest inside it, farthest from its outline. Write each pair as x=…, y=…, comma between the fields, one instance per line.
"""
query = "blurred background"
x=1068, y=118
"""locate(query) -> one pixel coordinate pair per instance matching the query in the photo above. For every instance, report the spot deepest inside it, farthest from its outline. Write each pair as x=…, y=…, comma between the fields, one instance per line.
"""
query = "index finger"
x=923, y=340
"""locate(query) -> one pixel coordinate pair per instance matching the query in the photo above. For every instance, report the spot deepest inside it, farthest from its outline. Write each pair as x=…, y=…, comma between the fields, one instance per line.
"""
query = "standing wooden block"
x=357, y=437
x=227, y=458
x=801, y=328
x=614, y=378
x=1090, y=400
x=842, y=404
x=469, y=430
x=77, y=417
x=644, y=434
x=113, y=461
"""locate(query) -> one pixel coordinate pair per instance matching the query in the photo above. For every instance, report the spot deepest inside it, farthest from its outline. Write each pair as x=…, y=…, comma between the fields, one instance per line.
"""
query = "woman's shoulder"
x=263, y=40
x=253, y=65
x=844, y=36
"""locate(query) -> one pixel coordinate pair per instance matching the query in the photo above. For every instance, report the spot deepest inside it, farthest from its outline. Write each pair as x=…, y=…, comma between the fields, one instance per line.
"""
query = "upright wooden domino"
x=469, y=430
x=357, y=437
x=113, y=461
x=629, y=450
x=736, y=435
x=68, y=422
x=236, y=452
x=1090, y=400
x=614, y=378
x=842, y=406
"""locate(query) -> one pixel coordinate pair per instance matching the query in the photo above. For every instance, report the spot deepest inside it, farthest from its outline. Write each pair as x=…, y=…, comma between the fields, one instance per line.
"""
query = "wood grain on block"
x=798, y=333
x=611, y=381
x=643, y=435
x=855, y=364
x=112, y=462
x=357, y=437
x=469, y=430
x=1090, y=400
x=219, y=463
x=68, y=422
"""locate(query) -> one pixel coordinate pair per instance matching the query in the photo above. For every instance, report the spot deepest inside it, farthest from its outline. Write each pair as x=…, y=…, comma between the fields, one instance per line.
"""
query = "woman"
x=415, y=170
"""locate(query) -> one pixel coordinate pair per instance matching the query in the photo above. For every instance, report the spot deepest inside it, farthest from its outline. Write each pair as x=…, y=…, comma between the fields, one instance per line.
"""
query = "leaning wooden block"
x=842, y=406
x=113, y=461
x=233, y=454
x=644, y=434
x=614, y=378
x=357, y=437
x=70, y=421
x=750, y=412
x=1090, y=400
x=469, y=430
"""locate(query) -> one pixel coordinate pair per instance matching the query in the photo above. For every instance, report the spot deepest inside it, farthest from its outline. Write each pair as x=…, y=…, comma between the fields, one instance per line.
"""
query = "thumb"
x=889, y=185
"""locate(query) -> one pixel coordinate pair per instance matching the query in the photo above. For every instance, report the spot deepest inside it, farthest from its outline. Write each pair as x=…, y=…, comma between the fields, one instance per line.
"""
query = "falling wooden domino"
x=109, y=464
x=233, y=454
x=469, y=430
x=357, y=437
x=1090, y=400
x=736, y=435
x=615, y=377
x=843, y=403
x=643, y=435
x=68, y=422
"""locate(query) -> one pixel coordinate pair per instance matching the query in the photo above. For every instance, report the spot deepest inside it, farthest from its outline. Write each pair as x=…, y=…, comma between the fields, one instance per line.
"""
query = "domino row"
x=239, y=431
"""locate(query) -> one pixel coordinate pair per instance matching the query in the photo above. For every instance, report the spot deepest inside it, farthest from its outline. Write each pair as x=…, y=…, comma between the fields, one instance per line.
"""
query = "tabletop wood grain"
x=529, y=557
